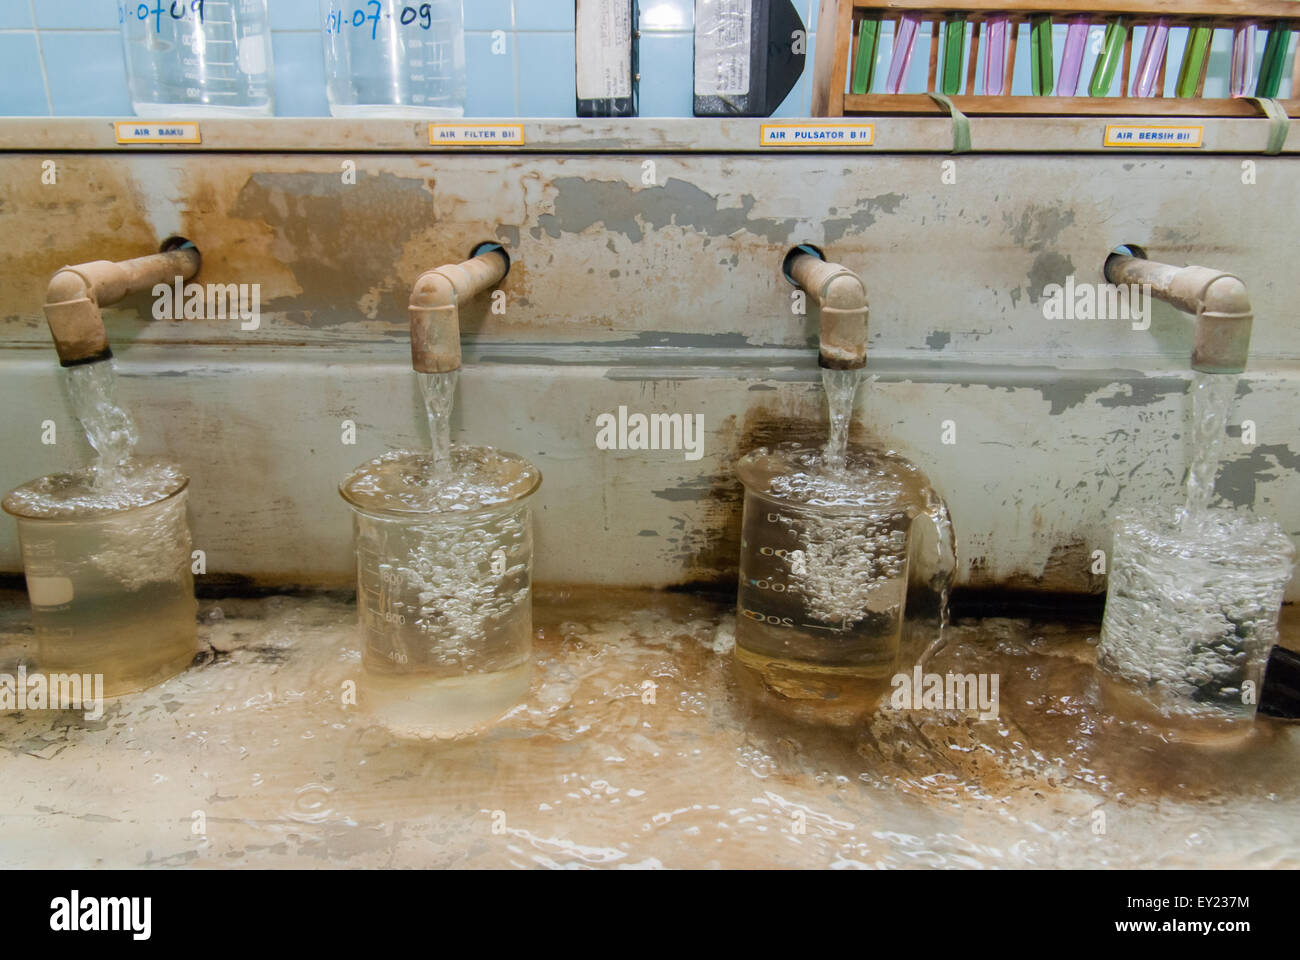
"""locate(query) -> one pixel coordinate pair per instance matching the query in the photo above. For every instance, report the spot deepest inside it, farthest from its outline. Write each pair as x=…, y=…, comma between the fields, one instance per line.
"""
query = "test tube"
x=1040, y=49
x=864, y=67
x=1274, y=61
x=1189, y=73
x=954, y=53
x=1076, y=38
x=1112, y=51
x=995, y=56
x=1152, y=57
x=904, y=42
x=1242, y=71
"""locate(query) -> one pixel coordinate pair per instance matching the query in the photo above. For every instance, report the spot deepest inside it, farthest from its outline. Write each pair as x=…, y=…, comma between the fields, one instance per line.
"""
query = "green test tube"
x=864, y=68
x=1189, y=73
x=1040, y=55
x=1108, y=61
x=954, y=54
x=1273, y=64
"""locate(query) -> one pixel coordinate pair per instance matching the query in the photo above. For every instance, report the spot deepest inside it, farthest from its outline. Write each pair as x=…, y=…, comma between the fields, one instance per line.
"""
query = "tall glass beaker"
x=826, y=554
x=444, y=587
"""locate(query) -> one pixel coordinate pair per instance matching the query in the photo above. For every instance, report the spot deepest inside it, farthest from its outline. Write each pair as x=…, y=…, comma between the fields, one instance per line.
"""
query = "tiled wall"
x=64, y=58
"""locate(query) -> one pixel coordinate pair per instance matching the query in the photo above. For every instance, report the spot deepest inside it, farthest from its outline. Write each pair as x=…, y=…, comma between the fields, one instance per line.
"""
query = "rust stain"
x=95, y=211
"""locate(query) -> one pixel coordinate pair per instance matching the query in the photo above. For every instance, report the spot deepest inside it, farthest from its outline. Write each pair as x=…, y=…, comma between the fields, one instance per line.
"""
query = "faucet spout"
x=435, y=307
x=77, y=294
x=1217, y=300
x=842, y=298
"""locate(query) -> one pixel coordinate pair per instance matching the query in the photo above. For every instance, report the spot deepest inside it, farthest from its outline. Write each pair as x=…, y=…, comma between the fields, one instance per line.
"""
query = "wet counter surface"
x=636, y=748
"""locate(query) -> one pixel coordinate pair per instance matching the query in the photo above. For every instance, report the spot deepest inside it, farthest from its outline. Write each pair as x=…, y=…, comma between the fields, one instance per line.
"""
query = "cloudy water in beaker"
x=108, y=572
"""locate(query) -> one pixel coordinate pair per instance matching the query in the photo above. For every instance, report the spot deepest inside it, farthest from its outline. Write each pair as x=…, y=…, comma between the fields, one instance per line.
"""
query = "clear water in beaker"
x=196, y=58
x=826, y=552
x=388, y=58
x=108, y=573
x=444, y=587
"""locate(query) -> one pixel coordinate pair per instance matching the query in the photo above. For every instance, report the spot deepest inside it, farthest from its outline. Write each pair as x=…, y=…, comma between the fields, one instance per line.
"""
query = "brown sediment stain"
x=1068, y=569
x=708, y=553
x=95, y=211
x=339, y=244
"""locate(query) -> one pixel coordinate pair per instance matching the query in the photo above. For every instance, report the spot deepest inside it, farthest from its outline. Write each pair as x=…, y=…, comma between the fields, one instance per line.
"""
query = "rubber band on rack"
x=960, y=123
x=1279, y=123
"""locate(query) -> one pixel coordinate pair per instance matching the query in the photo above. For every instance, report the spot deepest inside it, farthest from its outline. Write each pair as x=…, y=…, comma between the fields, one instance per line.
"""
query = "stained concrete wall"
x=659, y=289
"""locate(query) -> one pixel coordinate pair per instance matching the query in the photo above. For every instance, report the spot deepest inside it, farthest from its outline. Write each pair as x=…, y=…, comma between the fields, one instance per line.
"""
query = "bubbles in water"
x=406, y=481
x=1192, y=608
x=825, y=557
x=85, y=494
x=1193, y=597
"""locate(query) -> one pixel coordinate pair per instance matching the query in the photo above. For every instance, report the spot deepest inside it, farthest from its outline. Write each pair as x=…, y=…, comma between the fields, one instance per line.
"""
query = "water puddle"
x=634, y=747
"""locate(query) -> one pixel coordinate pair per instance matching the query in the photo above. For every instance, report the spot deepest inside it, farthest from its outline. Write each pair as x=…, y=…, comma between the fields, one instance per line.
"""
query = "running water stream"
x=444, y=554
x=439, y=392
x=109, y=428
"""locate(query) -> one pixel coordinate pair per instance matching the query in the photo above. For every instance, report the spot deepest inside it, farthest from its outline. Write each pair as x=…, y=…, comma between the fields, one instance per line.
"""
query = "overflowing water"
x=443, y=539
x=828, y=550
x=106, y=552
x=1194, y=592
x=634, y=746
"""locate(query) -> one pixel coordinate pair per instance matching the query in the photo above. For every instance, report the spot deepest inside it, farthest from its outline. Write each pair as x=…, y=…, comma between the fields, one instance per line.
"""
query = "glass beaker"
x=198, y=58
x=1192, y=606
x=108, y=575
x=444, y=587
x=825, y=561
x=389, y=59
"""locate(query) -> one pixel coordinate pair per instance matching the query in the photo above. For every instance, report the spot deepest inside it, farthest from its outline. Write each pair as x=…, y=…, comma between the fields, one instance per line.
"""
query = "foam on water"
x=410, y=482
x=89, y=493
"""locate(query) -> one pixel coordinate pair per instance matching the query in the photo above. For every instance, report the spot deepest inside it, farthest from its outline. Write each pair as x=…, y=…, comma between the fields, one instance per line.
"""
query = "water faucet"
x=435, y=306
x=1216, y=299
x=77, y=293
x=842, y=301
